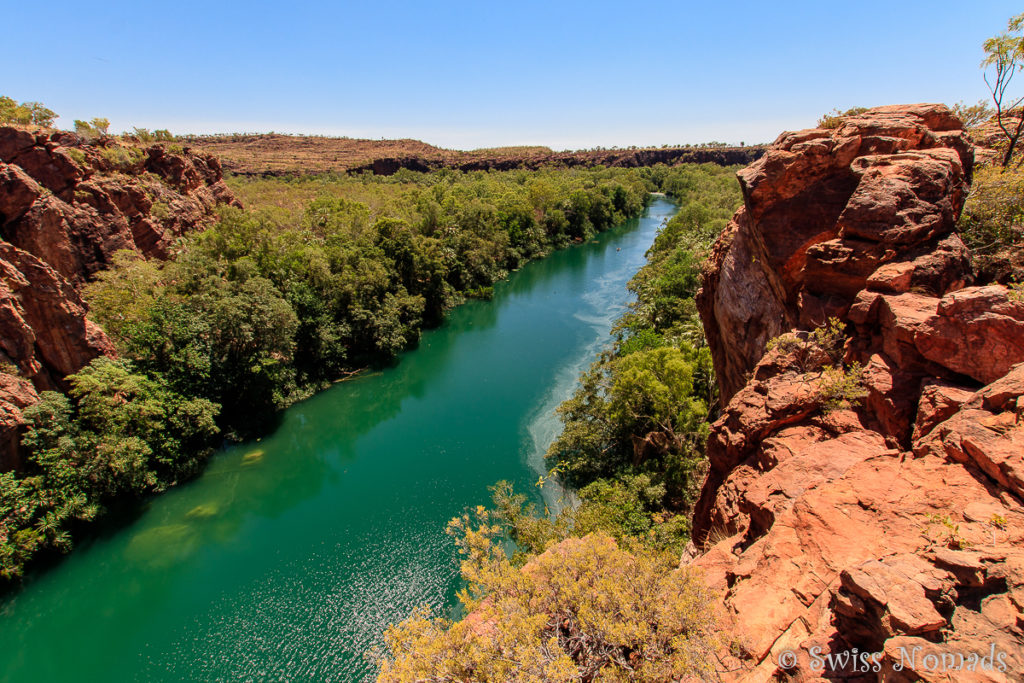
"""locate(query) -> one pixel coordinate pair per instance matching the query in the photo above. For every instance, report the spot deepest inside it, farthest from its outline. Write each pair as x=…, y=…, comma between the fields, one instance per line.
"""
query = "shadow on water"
x=289, y=555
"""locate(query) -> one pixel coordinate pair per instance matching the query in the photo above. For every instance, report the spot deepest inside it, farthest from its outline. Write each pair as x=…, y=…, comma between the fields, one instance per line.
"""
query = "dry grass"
x=277, y=154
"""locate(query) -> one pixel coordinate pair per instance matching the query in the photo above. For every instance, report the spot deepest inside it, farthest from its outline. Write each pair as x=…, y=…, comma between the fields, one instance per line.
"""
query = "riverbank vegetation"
x=325, y=276
x=562, y=601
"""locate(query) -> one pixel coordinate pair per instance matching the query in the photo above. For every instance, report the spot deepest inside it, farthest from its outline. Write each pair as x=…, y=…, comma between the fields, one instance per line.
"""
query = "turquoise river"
x=288, y=557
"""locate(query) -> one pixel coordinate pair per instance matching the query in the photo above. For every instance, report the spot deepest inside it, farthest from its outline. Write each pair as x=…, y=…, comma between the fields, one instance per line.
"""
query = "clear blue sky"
x=484, y=73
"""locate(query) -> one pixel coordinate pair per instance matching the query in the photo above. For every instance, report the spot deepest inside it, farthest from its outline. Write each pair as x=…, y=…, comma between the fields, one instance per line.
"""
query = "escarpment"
x=66, y=207
x=867, y=495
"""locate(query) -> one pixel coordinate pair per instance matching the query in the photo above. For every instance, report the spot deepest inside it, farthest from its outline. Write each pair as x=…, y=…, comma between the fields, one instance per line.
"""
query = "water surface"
x=289, y=557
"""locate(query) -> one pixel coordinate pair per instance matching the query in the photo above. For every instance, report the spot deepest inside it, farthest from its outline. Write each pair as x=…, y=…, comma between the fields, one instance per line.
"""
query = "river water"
x=288, y=557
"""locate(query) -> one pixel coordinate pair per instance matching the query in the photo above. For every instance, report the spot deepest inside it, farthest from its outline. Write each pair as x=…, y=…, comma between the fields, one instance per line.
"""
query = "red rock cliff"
x=65, y=208
x=898, y=523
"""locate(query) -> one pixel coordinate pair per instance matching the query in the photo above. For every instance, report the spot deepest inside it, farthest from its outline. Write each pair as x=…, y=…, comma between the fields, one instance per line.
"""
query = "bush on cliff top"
x=25, y=113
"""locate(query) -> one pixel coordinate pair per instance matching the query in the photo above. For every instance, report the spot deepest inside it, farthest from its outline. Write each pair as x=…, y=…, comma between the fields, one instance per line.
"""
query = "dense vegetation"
x=590, y=592
x=270, y=305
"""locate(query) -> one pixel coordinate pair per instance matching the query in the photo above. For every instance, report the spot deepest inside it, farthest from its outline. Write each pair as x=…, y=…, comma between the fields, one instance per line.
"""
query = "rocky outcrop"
x=891, y=522
x=66, y=207
x=74, y=205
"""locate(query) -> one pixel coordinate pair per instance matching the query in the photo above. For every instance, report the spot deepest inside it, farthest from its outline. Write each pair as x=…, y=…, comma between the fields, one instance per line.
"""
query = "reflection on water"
x=289, y=556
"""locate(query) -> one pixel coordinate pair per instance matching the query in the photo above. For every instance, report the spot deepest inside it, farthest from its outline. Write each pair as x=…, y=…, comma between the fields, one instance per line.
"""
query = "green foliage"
x=943, y=530
x=630, y=509
x=142, y=134
x=633, y=442
x=814, y=348
x=25, y=113
x=830, y=337
x=117, y=433
x=272, y=304
x=708, y=196
x=639, y=413
x=991, y=222
x=92, y=130
x=841, y=388
x=973, y=115
x=122, y=157
x=77, y=155
x=160, y=211
x=642, y=409
x=163, y=135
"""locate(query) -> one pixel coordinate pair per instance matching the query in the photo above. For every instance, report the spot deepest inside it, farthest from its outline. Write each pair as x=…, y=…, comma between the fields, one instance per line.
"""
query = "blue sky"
x=475, y=74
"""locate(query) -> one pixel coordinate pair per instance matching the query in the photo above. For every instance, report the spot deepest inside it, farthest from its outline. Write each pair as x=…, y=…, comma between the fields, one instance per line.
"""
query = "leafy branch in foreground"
x=585, y=609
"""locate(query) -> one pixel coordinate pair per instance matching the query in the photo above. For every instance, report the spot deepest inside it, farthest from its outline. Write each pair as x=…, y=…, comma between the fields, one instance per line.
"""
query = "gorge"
x=862, y=486
x=290, y=556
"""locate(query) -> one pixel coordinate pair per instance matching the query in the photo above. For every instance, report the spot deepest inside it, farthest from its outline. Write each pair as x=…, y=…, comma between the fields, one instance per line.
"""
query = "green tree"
x=1004, y=55
x=25, y=113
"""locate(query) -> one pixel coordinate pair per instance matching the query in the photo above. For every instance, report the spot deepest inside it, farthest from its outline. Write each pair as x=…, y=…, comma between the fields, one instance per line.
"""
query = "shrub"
x=117, y=433
x=841, y=388
x=584, y=610
x=121, y=157
x=91, y=130
x=142, y=135
x=834, y=118
x=77, y=155
x=973, y=115
x=991, y=222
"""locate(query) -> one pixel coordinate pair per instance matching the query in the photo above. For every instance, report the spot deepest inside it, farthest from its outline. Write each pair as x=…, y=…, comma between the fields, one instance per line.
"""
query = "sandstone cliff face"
x=73, y=205
x=65, y=208
x=898, y=523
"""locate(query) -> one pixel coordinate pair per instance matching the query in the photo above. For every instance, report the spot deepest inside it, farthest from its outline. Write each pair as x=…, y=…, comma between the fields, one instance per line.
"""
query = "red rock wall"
x=65, y=208
x=898, y=522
